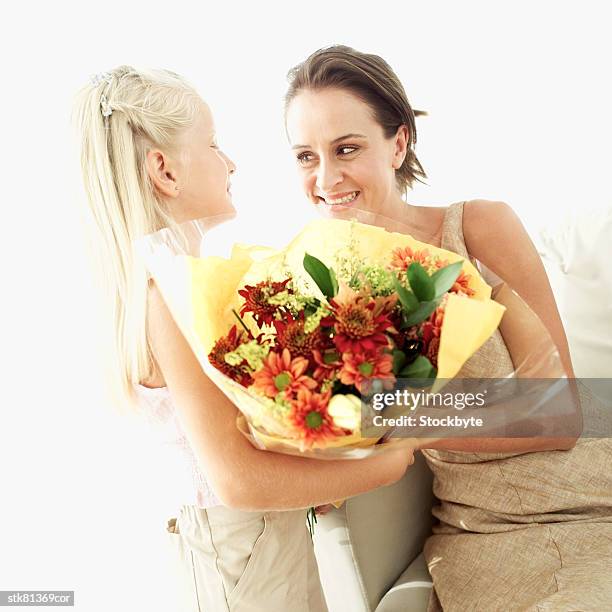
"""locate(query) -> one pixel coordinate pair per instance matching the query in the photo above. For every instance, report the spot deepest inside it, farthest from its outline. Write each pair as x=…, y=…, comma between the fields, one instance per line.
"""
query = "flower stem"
x=311, y=519
x=240, y=320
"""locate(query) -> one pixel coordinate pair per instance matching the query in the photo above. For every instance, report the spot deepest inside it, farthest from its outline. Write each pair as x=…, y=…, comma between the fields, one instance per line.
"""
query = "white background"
x=518, y=100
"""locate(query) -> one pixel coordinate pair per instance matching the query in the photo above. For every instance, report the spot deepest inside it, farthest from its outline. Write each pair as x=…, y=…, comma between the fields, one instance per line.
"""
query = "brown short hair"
x=371, y=79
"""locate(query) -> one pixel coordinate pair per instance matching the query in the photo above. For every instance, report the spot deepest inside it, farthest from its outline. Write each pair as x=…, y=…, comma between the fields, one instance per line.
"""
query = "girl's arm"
x=242, y=476
x=496, y=237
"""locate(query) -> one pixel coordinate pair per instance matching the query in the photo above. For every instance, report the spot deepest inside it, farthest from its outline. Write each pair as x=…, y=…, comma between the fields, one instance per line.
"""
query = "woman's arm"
x=241, y=475
x=495, y=236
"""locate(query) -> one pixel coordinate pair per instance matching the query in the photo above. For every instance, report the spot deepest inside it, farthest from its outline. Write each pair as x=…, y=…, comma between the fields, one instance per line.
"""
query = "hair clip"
x=107, y=111
x=101, y=77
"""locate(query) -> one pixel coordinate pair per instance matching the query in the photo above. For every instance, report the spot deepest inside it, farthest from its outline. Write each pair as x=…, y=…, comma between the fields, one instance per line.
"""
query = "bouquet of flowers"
x=295, y=337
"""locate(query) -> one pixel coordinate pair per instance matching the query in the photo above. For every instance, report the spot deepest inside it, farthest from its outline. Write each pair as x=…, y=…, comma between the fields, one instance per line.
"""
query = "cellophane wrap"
x=202, y=294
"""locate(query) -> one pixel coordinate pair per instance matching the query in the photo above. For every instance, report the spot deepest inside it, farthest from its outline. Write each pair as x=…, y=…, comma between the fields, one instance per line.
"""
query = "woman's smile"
x=345, y=199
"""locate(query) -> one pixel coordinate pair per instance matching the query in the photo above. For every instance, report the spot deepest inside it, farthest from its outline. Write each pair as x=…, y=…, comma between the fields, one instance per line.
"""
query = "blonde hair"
x=119, y=119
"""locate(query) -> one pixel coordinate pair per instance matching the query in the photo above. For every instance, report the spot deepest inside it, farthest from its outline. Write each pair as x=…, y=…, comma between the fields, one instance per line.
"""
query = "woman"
x=517, y=529
x=150, y=160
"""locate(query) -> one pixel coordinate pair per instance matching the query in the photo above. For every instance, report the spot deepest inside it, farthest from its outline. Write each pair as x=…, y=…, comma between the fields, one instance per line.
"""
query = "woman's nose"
x=328, y=176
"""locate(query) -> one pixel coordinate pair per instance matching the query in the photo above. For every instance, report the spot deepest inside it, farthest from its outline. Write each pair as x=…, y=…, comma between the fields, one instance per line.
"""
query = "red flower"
x=256, y=300
x=310, y=417
x=360, y=320
x=281, y=374
x=431, y=330
x=432, y=351
x=433, y=326
x=409, y=341
x=227, y=344
x=290, y=334
x=364, y=366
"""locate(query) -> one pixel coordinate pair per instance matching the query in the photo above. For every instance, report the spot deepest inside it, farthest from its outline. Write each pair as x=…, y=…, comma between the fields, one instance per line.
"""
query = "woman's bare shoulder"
x=491, y=224
x=481, y=210
x=495, y=235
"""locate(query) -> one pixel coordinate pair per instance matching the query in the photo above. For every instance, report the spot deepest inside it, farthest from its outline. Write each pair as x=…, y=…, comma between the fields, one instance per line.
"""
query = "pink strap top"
x=158, y=410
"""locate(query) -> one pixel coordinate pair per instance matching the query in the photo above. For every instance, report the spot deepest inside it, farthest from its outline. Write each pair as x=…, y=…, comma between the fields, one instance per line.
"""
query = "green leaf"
x=420, y=368
x=420, y=282
x=407, y=299
x=334, y=280
x=445, y=277
x=421, y=313
x=399, y=360
x=321, y=275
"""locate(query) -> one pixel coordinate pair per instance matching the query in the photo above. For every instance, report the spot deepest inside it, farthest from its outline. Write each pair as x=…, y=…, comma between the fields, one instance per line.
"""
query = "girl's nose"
x=231, y=166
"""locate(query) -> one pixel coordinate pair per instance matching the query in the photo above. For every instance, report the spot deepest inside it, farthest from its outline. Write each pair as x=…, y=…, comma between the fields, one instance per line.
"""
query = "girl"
x=150, y=159
x=527, y=530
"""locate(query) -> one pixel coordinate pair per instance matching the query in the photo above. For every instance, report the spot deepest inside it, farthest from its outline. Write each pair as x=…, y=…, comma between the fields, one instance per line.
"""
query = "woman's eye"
x=304, y=158
x=346, y=149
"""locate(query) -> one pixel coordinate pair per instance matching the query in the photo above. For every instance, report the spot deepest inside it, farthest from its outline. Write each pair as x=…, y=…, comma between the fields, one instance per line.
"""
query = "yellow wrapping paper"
x=204, y=312
x=215, y=282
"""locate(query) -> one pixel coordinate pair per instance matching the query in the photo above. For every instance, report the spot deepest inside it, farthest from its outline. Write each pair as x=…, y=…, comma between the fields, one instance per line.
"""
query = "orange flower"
x=365, y=366
x=402, y=257
x=327, y=362
x=310, y=417
x=281, y=374
x=462, y=284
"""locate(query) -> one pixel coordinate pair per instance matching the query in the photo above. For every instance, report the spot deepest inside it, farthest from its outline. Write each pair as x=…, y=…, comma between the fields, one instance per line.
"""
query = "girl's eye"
x=346, y=149
x=304, y=158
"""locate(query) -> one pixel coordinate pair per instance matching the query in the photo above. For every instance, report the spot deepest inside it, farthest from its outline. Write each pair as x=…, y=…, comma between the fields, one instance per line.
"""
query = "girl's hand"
x=324, y=509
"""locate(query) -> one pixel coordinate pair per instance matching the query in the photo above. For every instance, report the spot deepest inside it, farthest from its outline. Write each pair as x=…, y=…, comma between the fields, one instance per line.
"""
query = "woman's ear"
x=161, y=173
x=401, y=146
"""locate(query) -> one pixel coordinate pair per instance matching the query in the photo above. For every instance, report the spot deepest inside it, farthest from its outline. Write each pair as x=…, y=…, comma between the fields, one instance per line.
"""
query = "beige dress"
x=528, y=532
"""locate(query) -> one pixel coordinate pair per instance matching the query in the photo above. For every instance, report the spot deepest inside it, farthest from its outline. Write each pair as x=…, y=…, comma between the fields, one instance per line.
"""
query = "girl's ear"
x=401, y=146
x=161, y=173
